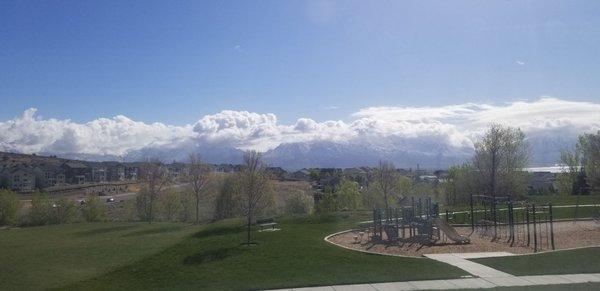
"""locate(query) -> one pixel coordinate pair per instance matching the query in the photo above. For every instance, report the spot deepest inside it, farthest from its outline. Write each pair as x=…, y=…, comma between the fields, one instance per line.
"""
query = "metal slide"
x=450, y=232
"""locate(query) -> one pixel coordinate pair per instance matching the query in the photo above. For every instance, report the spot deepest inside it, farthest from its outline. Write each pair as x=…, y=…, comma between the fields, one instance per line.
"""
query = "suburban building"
x=76, y=172
x=99, y=174
x=21, y=179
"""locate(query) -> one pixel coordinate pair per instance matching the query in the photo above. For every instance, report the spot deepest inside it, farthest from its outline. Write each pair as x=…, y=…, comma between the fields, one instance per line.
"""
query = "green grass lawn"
x=585, y=260
x=126, y=256
x=52, y=256
x=564, y=200
x=539, y=199
x=214, y=258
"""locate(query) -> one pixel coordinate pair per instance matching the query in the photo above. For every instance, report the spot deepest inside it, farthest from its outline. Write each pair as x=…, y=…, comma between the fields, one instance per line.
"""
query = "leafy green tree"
x=228, y=197
x=41, y=212
x=571, y=160
x=581, y=167
x=9, y=207
x=403, y=188
x=459, y=184
x=500, y=156
x=589, y=147
x=348, y=196
x=94, y=210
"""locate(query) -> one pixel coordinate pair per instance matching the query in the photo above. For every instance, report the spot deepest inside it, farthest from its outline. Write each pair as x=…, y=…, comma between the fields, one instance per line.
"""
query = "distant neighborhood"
x=27, y=173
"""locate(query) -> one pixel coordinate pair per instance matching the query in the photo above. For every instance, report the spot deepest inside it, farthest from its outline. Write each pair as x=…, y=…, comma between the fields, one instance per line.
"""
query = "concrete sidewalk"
x=468, y=283
x=475, y=269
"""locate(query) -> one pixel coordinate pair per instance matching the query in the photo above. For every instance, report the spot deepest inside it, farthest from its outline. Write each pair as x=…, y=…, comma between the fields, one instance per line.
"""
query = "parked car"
x=110, y=200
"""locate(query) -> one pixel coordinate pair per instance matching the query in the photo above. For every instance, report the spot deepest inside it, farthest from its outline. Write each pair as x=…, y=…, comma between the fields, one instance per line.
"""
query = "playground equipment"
x=450, y=232
x=527, y=224
x=418, y=222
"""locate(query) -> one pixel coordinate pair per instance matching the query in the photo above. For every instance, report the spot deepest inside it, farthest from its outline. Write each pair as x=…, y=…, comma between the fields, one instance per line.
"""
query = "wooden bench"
x=266, y=223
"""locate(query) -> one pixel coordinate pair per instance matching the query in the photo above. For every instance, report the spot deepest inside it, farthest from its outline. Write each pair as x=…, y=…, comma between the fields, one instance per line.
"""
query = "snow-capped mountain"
x=363, y=153
x=545, y=150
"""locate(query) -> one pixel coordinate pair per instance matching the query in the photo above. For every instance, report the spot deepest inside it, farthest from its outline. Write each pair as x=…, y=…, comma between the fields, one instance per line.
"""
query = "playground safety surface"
x=567, y=234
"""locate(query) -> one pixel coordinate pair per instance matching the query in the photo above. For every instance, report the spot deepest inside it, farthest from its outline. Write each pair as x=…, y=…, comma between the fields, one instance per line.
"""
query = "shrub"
x=328, y=202
x=170, y=205
x=93, y=210
x=298, y=204
x=188, y=210
x=41, y=209
x=9, y=207
x=65, y=211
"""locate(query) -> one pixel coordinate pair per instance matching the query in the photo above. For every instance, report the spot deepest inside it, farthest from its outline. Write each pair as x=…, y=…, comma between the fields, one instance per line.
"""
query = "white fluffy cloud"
x=103, y=136
x=455, y=126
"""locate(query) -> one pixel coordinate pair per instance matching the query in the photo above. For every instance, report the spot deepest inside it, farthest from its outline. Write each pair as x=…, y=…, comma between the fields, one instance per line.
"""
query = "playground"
x=567, y=235
x=494, y=224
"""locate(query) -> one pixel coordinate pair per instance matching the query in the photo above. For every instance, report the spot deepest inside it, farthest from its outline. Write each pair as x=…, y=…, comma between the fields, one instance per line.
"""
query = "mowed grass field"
x=53, y=256
x=126, y=256
x=585, y=260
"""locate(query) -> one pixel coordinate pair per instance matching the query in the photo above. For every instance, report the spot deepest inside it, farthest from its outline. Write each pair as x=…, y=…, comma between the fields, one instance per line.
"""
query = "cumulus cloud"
x=104, y=136
x=452, y=126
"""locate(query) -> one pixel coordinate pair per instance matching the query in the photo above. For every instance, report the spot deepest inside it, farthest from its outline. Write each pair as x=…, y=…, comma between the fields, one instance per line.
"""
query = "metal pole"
x=495, y=218
x=511, y=235
x=380, y=218
x=534, y=229
x=413, y=207
x=527, y=217
x=472, y=218
x=551, y=225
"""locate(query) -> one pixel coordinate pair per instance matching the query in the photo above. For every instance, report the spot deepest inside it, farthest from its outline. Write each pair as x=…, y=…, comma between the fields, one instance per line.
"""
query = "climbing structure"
x=516, y=223
x=419, y=222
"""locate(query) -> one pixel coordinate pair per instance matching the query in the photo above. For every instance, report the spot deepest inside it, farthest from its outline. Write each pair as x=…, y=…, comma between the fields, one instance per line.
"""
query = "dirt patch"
x=566, y=235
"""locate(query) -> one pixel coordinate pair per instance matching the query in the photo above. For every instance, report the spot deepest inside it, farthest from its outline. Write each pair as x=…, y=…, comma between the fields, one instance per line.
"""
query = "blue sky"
x=174, y=62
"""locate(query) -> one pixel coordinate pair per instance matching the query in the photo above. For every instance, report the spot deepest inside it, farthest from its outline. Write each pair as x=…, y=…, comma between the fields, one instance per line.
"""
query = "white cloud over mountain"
x=446, y=128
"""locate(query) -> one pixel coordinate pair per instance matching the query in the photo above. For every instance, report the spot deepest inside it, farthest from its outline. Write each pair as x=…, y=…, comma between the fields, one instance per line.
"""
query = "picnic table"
x=266, y=223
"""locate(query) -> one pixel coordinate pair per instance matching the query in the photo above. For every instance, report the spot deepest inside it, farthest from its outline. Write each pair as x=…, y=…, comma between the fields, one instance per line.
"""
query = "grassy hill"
x=172, y=256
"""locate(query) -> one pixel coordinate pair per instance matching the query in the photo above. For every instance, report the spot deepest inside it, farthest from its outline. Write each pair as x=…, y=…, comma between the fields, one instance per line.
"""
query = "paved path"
x=468, y=283
x=459, y=260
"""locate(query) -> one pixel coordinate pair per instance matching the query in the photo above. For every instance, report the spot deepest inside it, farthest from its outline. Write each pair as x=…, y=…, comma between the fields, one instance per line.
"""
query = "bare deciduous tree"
x=255, y=188
x=198, y=175
x=500, y=157
x=156, y=176
x=386, y=178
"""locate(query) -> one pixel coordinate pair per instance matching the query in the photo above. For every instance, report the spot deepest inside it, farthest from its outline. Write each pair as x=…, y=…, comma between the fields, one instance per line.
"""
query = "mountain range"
x=545, y=151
